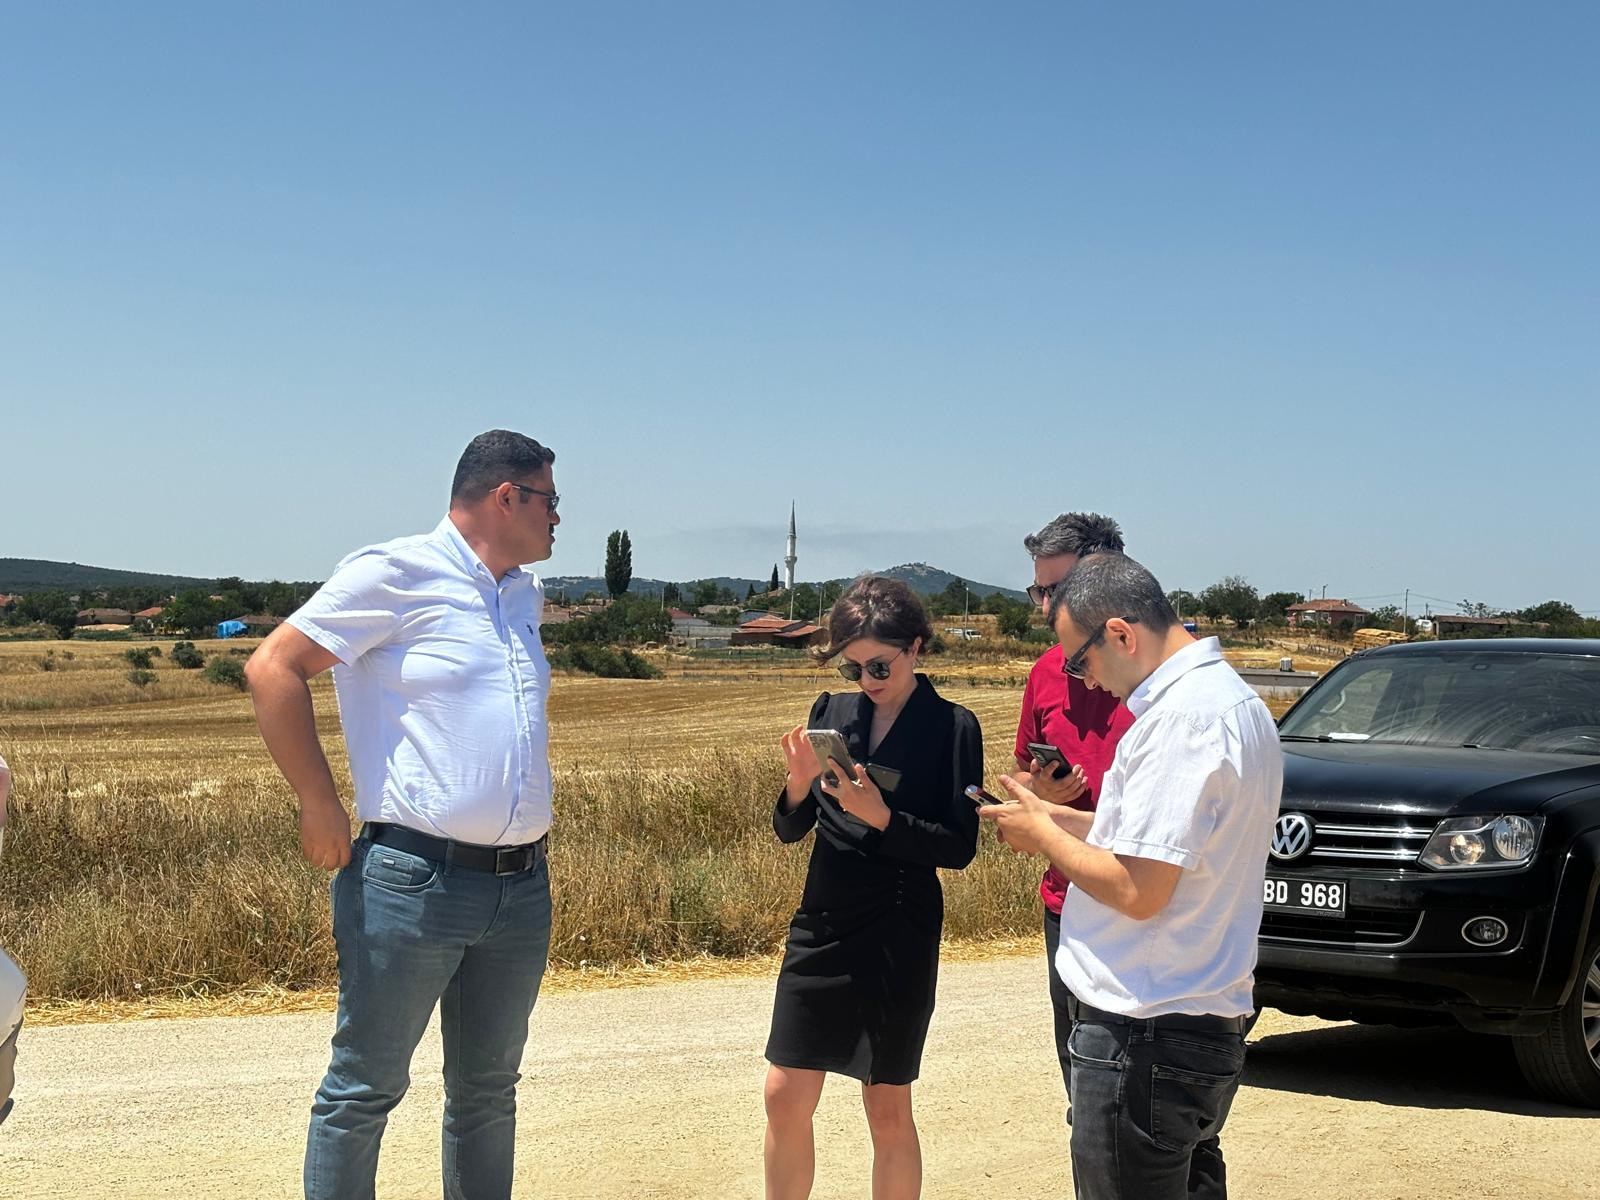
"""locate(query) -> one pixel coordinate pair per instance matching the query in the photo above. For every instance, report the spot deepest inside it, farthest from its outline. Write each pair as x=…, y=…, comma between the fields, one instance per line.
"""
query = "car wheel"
x=1563, y=1062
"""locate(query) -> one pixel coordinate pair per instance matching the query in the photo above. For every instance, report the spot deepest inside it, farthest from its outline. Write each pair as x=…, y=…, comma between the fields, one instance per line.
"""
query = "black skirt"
x=856, y=990
x=861, y=966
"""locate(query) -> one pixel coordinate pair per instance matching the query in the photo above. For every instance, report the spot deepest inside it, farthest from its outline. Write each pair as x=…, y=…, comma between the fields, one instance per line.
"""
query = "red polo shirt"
x=1083, y=723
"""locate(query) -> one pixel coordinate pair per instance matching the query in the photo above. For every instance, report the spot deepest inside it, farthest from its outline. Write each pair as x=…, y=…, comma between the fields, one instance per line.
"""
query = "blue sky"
x=1300, y=292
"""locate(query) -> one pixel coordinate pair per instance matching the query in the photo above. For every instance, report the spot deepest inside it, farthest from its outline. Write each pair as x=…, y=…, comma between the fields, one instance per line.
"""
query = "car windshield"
x=1492, y=700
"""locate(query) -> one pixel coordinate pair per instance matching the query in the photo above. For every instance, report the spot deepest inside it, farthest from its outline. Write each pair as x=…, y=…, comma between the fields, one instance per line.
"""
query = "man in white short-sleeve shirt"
x=1159, y=932
x=444, y=899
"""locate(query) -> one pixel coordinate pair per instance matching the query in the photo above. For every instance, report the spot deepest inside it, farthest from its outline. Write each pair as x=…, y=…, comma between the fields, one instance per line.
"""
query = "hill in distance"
x=38, y=575
x=921, y=578
x=41, y=575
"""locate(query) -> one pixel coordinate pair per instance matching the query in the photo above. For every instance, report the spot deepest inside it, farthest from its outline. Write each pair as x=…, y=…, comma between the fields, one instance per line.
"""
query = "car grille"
x=1369, y=838
x=1359, y=927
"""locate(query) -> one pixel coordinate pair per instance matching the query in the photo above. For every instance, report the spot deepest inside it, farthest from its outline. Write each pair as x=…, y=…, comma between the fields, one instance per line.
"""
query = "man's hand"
x=1025, y=822
x=860, y=797
x=325, y=834
x=1061, y=791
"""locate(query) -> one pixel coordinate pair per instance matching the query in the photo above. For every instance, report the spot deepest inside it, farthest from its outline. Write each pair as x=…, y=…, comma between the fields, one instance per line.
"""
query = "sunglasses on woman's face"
x=878, y=668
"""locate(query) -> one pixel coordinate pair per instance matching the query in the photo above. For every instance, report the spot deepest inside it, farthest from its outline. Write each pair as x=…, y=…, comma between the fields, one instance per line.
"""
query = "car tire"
x=1563, y=1062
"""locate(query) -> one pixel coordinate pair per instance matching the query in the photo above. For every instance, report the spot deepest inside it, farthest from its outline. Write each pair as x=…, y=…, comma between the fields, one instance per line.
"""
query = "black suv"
x=1437, y=853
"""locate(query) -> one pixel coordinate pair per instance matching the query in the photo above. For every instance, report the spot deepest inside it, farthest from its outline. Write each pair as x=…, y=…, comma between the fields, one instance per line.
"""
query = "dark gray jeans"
x=1149, y=1100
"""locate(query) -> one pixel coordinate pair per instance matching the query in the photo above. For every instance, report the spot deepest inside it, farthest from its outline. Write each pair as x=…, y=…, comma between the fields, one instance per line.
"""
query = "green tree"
x=1387, y=617
x=1011, y=616
x=1275, y=605
x=776, y=582
x=193, y=614
x=1234, y=598
x=805, y=602
x=55, y=609
x=1557, y=614
x=1185, y=604
x=619, y=563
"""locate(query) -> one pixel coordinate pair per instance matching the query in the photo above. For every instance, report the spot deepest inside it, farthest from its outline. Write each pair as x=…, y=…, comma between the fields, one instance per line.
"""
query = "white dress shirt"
x=442, y=684
x=1196, y=782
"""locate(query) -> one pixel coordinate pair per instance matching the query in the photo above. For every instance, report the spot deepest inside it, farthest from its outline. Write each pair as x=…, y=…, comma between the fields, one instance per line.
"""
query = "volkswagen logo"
x=1291, y=836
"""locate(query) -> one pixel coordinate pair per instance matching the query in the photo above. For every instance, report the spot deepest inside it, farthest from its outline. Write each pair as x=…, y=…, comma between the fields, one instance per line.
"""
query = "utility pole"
x=1405, y=615
x=966, y=599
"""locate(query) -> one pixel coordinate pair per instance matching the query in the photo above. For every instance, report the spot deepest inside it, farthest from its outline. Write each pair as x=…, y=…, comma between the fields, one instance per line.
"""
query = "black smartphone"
x=1050, y=756
x=978, y=796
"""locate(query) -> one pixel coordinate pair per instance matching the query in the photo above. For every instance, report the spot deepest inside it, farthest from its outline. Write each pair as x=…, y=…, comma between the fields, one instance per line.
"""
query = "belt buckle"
x=522, y=856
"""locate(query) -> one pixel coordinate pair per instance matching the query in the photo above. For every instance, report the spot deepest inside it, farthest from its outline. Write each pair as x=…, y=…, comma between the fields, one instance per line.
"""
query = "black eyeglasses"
x=1040, y=592
x=551, y=499
x=878, y=668
x=1074, y=665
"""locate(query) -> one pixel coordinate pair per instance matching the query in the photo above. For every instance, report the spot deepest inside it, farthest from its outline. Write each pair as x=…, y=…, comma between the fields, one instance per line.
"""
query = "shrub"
x=48, y=662
x=140, y=678
x=225, y=671
x=186, y=656
x=139, y=658
x=608, y=662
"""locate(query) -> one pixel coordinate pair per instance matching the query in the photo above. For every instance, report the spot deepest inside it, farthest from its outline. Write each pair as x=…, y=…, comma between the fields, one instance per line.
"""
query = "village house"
x=767, y=630
x=1327, y=613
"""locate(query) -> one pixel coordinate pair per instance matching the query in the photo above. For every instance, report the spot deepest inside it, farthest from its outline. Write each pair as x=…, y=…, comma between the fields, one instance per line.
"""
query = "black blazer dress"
x=856, y=989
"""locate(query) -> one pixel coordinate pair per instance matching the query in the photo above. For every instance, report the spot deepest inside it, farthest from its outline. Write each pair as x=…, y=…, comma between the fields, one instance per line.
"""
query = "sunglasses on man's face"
x=1040, y=592
x=1074, y=665
x=877, y=668
x=552, y=500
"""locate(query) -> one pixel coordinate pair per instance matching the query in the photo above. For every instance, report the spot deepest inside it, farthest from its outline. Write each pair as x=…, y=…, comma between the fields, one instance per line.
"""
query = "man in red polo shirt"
x=1083, y=723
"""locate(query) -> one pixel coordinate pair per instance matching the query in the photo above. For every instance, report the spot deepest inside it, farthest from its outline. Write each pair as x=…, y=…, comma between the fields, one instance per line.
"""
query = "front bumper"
x=1399, y=954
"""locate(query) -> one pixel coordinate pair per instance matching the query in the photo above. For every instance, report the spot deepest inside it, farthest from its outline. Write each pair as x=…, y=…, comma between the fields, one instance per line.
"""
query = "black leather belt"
x=498, y=860
x=1199, y=1023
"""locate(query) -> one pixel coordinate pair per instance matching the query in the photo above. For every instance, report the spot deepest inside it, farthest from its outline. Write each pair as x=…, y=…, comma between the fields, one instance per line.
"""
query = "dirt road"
x=655, y=1092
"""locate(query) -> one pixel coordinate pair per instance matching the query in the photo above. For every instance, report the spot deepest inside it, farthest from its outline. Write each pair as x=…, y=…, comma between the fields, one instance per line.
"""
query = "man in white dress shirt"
x=444, y=898
x=1159, y=933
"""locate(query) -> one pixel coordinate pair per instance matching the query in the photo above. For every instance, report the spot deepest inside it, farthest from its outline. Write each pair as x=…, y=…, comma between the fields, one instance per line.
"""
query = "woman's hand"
x=861, y=798
x=803, y=768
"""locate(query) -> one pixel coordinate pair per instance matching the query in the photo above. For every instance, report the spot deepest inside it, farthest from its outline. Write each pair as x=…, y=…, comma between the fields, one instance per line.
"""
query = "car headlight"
x=1460, y=843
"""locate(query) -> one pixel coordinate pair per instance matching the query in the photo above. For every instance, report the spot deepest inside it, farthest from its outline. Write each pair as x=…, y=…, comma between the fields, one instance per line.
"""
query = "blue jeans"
x=1148, y=1105
x=412, y=933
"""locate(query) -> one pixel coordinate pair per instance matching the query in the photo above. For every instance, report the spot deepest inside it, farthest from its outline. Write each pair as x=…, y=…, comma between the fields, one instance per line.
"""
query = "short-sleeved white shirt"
x=1196, y=782
x=442, y=684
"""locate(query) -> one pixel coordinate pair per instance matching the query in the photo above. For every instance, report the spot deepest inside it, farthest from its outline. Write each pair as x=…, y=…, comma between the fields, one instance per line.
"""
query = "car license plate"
x=1314, y=897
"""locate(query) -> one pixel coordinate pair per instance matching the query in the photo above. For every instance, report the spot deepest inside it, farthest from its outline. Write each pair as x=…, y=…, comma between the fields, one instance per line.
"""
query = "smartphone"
x=1050, y=756
x=978, y=796
x=829, y=747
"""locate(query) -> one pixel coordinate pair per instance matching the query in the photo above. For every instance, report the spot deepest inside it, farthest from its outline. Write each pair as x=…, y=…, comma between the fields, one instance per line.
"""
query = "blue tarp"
x=228, y=629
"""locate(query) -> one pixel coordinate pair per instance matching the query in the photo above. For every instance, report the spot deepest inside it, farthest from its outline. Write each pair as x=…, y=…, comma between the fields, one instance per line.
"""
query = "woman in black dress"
x=856, y=990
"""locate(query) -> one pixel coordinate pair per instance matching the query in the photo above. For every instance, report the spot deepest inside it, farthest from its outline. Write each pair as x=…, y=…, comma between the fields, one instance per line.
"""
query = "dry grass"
x=153, y=861
x=52, y=675
x=153, y=852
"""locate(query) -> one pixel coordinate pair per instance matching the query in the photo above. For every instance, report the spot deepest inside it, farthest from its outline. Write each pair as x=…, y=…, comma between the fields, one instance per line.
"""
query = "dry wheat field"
x=153, y=849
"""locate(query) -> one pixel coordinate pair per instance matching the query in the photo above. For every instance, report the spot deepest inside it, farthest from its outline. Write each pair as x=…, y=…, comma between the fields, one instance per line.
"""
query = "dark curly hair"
x=879, y=608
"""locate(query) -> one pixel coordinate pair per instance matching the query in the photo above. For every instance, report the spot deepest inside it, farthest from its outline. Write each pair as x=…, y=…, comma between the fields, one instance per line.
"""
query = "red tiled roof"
x=802, y=631
x=149, y=614
x=677, y=614
x=768, y=625
x=1327, y=606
